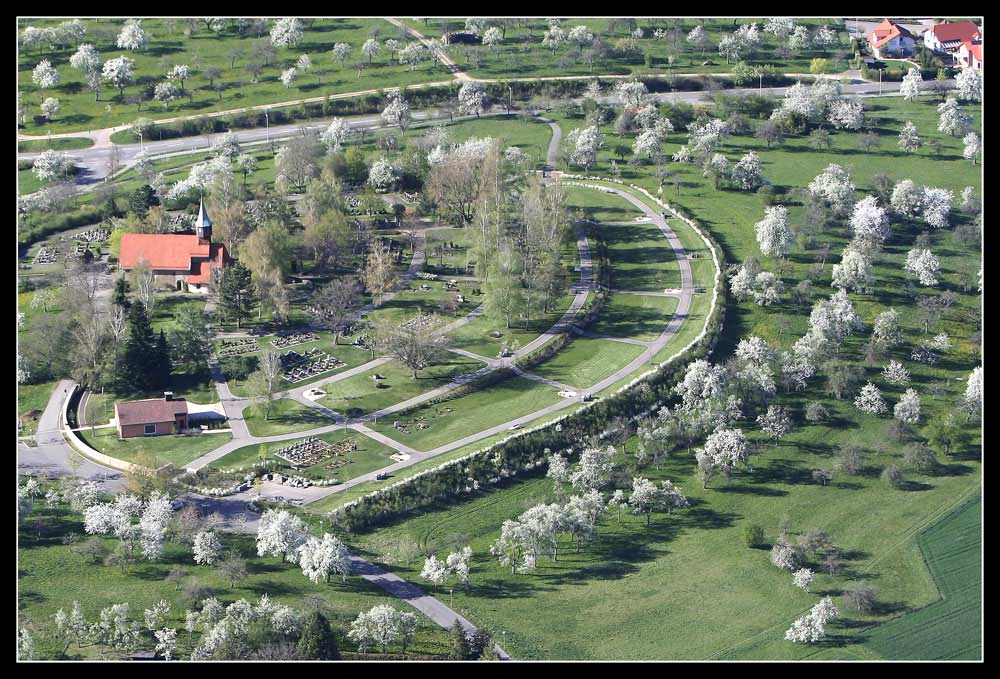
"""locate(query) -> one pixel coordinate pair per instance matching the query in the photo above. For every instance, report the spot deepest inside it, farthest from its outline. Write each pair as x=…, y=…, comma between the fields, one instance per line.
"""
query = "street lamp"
x=267, y=126
x=880, y=82
x=140, y=140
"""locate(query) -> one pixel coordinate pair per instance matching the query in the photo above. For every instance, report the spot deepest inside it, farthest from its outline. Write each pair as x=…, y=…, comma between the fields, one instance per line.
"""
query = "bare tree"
x=413, y=343
x=266, y=379
x=143, y=281
x=380, y=271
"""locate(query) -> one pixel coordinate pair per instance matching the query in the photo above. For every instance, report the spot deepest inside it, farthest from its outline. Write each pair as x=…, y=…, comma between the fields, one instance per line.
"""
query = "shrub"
x=754, y=536
x=861, y=596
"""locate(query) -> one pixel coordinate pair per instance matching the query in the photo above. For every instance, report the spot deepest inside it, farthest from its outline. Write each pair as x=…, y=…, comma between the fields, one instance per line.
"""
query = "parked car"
x=177, y=504
x=381, y=476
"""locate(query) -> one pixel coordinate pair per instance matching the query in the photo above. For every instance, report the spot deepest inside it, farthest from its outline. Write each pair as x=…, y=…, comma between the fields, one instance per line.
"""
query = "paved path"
x=52, y=455
x=648, y=293
x=435, y=49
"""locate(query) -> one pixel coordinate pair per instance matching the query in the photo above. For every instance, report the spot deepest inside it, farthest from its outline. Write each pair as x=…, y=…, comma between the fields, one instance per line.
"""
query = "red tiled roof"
x=149, y=411
x=171, y=251
x=975, y=49
x=201, y=271
x=885, y=32
x=960, y=31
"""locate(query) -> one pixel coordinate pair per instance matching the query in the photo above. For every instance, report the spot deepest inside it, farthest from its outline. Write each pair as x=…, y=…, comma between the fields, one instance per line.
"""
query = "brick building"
x=151, y=417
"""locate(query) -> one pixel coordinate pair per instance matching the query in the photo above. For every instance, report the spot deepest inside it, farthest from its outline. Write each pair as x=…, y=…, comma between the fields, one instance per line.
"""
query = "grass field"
x=585, y=361
x=459, y=417
x=176, y=449
x=637, y=317
x=360, y=394
x=57, y=144
x=43, y=586
x=286, y=417
x=30, y=398
x=641, y=257
x=369, y=456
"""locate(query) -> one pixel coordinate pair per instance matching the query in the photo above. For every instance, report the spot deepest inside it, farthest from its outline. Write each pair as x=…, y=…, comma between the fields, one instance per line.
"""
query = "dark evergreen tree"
x=120, y=296
x=162, y=370
x=138, y=371
x=237, y=293
x=141, y=200
x=459, y=642
x=318, y=641
x=191, y=341
x=480, y=642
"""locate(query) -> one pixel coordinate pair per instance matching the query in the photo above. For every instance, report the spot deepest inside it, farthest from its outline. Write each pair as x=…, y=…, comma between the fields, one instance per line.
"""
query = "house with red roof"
x=151, y=417
x=890, y=39
x=177, y=260
x=948, y=38
x=970, y=55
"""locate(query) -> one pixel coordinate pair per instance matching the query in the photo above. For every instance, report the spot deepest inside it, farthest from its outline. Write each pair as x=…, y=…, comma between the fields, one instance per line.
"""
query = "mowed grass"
x=360, y=394
x=477, y=335
x=31, y=398
x=641, y=257
x=948, y=629
x=43, y=586
x=585, y=361
x=369, y=456
x=176, y=449
x=285, y=417
x=459, y=417
x=639, y=317
x=57, y=144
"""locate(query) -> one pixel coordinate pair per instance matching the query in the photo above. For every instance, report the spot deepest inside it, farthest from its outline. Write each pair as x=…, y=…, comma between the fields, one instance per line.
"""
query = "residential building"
x=889, y=39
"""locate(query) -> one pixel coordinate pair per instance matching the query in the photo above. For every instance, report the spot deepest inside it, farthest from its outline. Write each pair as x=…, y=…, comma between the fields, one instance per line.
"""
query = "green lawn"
x=369, y=456
x=27, y=182
x=57, y=144
x=641, y=257
x=637, y=317
x=585, y=361
x=411, y=301
x=286, y=417
x=176, y=449
x=360, y=394
x=43, y=587
x=469, y=414
x=477, y=335
x=33, y=397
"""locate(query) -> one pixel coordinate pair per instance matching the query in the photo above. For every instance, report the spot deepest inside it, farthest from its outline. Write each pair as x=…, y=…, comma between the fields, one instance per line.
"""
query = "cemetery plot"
x=238, y=347
x=47, y=255
x=305, y=453
x=314, y=362
x=289, y=340
x=97, y=235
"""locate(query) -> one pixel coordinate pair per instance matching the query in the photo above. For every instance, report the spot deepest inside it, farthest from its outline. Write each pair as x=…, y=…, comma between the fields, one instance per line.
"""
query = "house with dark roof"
x=151, y=417
x=948, y=38
x=178, y=260
x=890, y=39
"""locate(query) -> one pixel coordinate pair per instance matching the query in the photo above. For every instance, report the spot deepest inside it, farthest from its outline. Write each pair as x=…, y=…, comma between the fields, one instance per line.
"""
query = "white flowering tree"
x=847, y=114
x=341, y=52
x=413, y=54
x=207, y=548
x=321, y=558
x=909, y=139
x=799, y=39
x=907, y=199
x=166, y=642
x=969, y=84
x=697, y=38
x=336, y=135
x=767, y=288
x=286, y=32
x=910, y=88
x=280, y=534
x=492, y=37
x=584, y=145
x=702, y=382
x=44, y=75
x=973, y=146
x=834, y=185
x=471, y=98
x=132, y=37
x=631, y=92
x=724, y=450
x=924, y=265
x=166, y=92
x=645, y=498
x=553, y=38
x=435, y=570
x=785, y=555
x=973, y=399
x=396, y=111
x=370, y=48
x=936, y=206
x=870, y=401
x=895, y=373
x=514, y=547
x=288, y=76
x=381, y=174
x=704, y=137
x=803, y=578
x=854, y=272
x=774, y=237
x=51, y=165
x=748, y=173
x=869, y=221
x=119, y=73
x=775, y=422
x=907, y=410
x=951, y=119
x=594, y=468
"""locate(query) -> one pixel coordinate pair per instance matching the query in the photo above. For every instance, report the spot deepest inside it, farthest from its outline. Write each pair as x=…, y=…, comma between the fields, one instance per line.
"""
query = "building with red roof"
x=176, y=259
x=151, y=417
x=970, y=55
x=948, y=38
x=889, y=39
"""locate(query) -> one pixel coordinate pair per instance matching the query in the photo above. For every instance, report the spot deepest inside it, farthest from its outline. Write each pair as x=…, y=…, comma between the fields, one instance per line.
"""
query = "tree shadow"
x=915, y=486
